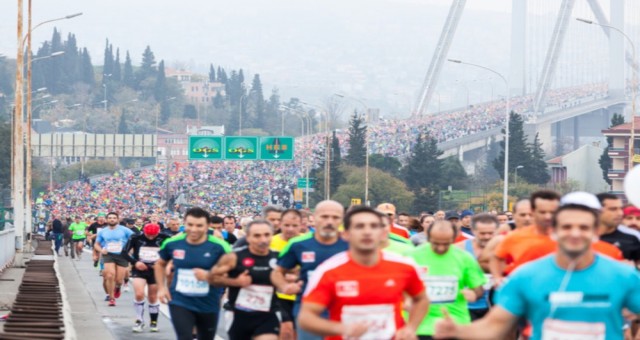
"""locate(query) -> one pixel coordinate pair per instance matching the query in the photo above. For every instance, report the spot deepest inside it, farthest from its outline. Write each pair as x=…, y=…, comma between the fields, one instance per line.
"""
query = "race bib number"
x=570, y=330
x=114, y=247
x=255, y=298
x=380, y=320
x=188, y=285
x=79, y=232
x=441, y=289
x=149, y=254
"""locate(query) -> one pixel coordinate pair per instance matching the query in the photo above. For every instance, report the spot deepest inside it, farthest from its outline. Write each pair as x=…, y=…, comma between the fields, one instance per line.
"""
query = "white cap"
x=581, y=198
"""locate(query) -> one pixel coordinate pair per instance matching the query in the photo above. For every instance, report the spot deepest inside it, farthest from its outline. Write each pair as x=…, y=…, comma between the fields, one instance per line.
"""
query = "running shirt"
x=278, y=243
x=114, y=240
x=305, y=251
x=483, y=301
x=399, y=248
x=169, y=233
x=445, y=276
x=352, y=292
x=140, y=248
x=95, y=227
x=586, y=308
x=400, y=231
x=186, y=291
x=466, y=230
x=517, y=243
x=260, y=295
x=78, y=230
x=627, y=243
x=395, y=238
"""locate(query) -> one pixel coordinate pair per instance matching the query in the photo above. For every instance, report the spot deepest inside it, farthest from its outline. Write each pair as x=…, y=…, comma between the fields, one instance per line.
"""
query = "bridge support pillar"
x=616, y=50
x=576, y=133
x=559, y=149
x=461, y=153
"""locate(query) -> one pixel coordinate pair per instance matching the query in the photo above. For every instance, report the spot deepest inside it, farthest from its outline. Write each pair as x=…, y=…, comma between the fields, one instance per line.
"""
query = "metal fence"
x=7, y=247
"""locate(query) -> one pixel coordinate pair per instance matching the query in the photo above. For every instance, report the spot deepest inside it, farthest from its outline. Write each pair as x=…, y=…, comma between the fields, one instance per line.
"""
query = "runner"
x=558, y=293
x=349, y=286
x=273, y=215
x=420, y=238
x=94, y=229
x=110, y=242
x=142, y=252
x=484, y=228
x=451, y=275
x=631, y=218
x=390, y=210
x=78, y=231
x=465, y=222
x=192, y=300
x=230, y=224
x=307, y=252
x=173, y=227
x=392, y=242
x=609, y=229
x=251, y=296
x=403, y=220
x=216, y=228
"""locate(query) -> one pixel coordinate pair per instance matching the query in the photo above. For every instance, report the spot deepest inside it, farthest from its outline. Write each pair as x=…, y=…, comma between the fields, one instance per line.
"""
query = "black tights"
x=184, y=320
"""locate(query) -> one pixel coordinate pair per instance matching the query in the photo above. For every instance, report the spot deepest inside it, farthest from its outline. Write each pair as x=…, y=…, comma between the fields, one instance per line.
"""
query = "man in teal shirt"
x=572, y=294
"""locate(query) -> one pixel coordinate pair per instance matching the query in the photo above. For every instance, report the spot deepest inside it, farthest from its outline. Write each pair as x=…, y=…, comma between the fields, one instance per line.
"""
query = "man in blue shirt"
x=193, y=302
x=110, y=242
x=308, y=252
x=572, y=294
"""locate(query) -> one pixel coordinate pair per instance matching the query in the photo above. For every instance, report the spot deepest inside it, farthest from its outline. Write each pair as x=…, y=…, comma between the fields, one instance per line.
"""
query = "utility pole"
x=28, y=209
x=18, y=143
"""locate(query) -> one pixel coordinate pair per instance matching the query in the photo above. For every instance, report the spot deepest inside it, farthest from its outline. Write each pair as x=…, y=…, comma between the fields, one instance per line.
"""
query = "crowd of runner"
x=553, y=268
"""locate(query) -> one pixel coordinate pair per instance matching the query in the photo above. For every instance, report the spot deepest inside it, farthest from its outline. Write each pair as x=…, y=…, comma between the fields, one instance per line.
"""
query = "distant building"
x=580, y=166
x=619, y=153
x=212, y=130
x=197, y=88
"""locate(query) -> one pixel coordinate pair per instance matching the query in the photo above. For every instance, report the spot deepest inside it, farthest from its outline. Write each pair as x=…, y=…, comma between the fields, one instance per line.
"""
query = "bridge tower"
x=517, y=78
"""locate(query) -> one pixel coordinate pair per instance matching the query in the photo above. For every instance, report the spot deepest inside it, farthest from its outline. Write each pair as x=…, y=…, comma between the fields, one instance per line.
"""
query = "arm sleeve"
x=502, y=249
x=165, y=251
x=100, y=239
x=414, y=284
x=287, y=258
x=320, y=294
x=510, y=296
x=127, y=250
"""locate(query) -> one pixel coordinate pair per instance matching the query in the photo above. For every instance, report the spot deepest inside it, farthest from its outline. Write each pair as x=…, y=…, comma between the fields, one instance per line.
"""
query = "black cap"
x=451, y=214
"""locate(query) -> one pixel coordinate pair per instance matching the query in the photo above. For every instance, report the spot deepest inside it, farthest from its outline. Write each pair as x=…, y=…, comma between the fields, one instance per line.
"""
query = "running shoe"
x=112, y=303
x=95, y=264
x=153, y=328
x=116, y=292
x=107, y=298
x=126, y=288
x=138, y=327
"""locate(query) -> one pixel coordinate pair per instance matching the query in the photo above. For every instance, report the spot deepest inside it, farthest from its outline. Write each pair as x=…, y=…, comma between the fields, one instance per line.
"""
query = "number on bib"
x=380, y=320
x=255, y=298
x=148, y=254
x=441, y=289
x=569, y=330
x=114, y=247
x=188, y=285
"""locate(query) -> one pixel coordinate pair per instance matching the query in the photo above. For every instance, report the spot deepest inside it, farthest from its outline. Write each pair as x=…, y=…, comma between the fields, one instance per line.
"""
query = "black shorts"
x=286, y=307
x=78, y=240
x=246, y=325
x=119, y=260
x=144, y=274
x=478, y=313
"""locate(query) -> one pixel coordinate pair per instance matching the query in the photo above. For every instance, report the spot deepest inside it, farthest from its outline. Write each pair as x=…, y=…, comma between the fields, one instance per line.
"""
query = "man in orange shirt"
x=390, y=210
x=350, y=283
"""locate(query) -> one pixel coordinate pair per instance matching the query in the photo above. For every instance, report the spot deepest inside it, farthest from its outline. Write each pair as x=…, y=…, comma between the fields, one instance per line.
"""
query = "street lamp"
x=516, y=176
x=505, y=189
x=327, y=152
x=240, y=114
x=54, y=54
x=634, y=85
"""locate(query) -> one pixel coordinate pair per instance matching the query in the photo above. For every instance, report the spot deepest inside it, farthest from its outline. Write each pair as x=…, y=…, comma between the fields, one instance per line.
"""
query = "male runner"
x=110, y=242
x=142, y=252
x=173, y=227
x=363, y=288
x=78, y=231
x=390, y=210
x=465, y=222
x=251, y=295
x=230, y=226
x=609, y=229
x=273, y=215
x=484, y=228
x=307, y=252
x=567, y=295
x=403, y=220
x=451, y=275
x=192, y=300
x=631, y=218
x=93, y=230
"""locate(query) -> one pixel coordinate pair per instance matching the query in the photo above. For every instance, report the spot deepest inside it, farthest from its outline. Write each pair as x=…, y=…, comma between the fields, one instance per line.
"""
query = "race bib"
x=188, y=285
x=380, y=320
x=79, y=232
x=571, y=330
x=489, y=284
x=255, y=298
x=149, y=254
x=441, y=289
x=114, y=247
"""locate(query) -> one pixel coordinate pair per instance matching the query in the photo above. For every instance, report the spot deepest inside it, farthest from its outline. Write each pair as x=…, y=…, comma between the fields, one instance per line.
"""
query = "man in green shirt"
x=451, y=275
x=78, y=230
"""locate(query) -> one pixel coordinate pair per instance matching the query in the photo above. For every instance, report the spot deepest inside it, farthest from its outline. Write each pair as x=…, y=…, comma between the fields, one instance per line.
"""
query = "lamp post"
x=240, y=114
x=634, y=86
x=516, y=175
x=505, y=189
x=305, y=162
x=157, y=115
x=327, y=152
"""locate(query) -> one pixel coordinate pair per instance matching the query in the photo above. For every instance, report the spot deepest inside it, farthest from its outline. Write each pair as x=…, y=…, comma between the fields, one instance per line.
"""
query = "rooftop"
x=624, y=128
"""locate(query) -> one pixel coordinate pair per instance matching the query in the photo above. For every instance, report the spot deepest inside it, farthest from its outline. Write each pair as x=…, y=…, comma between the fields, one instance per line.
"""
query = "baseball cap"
x=581, y=198
x=631, y=211
x=387, y=208
x=450, y=215
x=151, y=229
x=102, y=214
x=466, y=213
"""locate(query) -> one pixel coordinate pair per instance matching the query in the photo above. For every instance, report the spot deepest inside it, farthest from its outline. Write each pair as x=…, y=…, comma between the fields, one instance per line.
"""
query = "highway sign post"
x=203, y=148
x=276, y=148
x=241, y=148
x=302, y=182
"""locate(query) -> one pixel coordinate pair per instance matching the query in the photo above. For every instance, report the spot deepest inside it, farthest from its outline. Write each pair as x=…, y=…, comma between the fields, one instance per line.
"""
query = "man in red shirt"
x=363, y=288
x=390, y=210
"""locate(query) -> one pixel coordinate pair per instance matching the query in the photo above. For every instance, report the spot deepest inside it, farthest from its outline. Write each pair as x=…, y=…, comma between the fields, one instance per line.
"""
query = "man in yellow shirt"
x=290, y=224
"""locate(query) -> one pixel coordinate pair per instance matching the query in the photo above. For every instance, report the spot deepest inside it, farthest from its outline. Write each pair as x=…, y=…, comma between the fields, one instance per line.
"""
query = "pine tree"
x=160, y=91
x=222, y=75
x=335, y=165
x=55, y=82
x=605, y=161
x=535, y=170
x=147, y=67
x=456, y=175
x=127, y=77
x=212, y=73
x=71, y=63
x=519, y=149
x=108, y=59
x=87, y=68
x=165, y=111
x=122, y=125
x=218, y=101
x=256, y=103
x=357, y=141
x=117, y=71
x=423, y=174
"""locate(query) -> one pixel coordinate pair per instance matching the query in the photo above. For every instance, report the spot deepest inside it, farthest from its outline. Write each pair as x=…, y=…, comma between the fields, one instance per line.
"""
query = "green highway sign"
x=205, y=148
x=276, y=148
x=241, y=148
x=302, y=182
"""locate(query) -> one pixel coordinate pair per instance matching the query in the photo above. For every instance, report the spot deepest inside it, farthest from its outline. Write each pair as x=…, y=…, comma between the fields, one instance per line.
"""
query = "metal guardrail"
x=7, y=247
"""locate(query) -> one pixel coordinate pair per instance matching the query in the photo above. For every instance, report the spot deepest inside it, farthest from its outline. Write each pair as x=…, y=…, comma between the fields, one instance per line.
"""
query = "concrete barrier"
x=7, y=247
